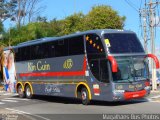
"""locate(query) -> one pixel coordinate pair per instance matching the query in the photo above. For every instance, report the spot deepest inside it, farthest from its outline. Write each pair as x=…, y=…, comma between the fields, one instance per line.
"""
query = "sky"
x=61, y=8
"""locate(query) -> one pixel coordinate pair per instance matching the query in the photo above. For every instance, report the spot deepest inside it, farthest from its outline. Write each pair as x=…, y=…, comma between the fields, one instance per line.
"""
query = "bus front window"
x=123, y=72
x=119, y=43
x=140, y=70
x=131, y=70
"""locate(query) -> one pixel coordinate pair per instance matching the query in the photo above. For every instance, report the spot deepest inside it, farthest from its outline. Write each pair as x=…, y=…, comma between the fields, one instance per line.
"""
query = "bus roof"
x=47, y=39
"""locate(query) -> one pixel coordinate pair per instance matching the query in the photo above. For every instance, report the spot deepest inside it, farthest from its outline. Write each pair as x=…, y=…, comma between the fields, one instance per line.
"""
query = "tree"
x=73, y=23
x=103, y=17
x=1, y=27
x=100, y=17
x=7, y=9
x=1, y=31
x=33, y=10
x=41, y=19
x=26, y=11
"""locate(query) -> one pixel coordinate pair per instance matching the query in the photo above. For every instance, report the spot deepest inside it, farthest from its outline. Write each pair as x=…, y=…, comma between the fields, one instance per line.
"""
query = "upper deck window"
x=123, y=43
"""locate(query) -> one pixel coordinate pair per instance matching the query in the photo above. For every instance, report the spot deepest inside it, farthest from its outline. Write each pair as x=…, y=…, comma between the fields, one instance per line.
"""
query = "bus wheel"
x=28, y=92
x=85, y=96
x=21, y=92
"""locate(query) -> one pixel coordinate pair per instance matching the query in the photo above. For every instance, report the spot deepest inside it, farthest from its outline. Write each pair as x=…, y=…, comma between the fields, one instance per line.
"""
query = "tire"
x=28, y=92
x=85, y=96
x=20, y=92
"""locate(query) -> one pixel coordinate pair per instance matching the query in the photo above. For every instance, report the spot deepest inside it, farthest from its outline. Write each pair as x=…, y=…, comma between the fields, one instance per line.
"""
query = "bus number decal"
x=68, y=64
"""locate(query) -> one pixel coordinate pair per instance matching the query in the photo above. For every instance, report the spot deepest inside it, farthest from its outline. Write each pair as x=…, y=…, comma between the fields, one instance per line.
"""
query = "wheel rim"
x=28, y=92
x=20, y=91
x=84, y=95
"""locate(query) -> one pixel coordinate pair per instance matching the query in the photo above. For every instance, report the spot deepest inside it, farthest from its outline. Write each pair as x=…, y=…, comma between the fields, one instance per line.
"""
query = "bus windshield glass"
x=131, y=69
x=119, y=43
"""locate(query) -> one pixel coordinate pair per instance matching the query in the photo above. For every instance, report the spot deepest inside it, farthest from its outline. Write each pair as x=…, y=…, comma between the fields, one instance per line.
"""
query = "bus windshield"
x=123, y=43
x=131, y=69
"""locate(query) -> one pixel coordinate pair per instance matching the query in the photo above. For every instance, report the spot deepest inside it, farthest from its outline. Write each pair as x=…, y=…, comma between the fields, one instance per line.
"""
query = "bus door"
x=101, y=75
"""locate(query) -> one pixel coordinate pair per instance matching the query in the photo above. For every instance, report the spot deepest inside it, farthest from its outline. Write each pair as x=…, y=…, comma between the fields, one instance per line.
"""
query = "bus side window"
x=43, y=51
x=95, y=68
x=17, y=54
x=61, y=48
x=99, y=69
x=51, y=49
x=76, y=45
x=24, y=53
x=94, y=47
x=104, y=73
x=37, y=52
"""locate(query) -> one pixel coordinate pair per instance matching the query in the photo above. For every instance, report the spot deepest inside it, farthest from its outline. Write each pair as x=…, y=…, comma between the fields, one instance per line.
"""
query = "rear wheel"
x=28, y=92
x=20, y=91
x=85, y=96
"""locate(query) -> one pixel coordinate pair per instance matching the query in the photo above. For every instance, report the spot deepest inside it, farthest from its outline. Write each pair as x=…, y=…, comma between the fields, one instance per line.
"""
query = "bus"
x=103, y=65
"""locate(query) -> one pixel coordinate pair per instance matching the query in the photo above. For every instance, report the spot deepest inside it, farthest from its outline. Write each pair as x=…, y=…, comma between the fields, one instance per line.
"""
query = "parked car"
x=158, y=82
x=157, y=78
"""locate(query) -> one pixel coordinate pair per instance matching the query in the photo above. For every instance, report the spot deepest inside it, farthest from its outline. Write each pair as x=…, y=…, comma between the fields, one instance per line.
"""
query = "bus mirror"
x=155, y=60
x=113, y=63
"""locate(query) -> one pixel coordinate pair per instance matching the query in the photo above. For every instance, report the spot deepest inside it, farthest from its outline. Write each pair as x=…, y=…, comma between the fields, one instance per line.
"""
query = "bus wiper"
x=130, y=81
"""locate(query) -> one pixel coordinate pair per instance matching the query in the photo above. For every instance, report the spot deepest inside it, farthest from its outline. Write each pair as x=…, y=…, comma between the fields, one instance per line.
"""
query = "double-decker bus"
x=104, y=65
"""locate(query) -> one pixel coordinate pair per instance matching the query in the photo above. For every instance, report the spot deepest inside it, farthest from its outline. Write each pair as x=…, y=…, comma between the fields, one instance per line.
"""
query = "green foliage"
x=73, y=23
x=100, y=17
x=1, y=27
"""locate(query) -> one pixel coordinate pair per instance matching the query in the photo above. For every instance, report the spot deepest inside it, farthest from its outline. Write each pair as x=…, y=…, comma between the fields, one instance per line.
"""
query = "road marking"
x=1, y=103
x=17, y=99
x=22, y=112
x=153, y=100
x=149, y=100
x=158, y=96
x=10, y=94
x=156, y=101
x=8, y=100
x=7, y=93
x=145, y=100
x=2, y=91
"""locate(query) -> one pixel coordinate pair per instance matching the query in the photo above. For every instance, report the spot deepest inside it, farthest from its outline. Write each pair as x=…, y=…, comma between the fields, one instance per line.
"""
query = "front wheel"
x=28, y=92
x=20, y=91
x=85, y=96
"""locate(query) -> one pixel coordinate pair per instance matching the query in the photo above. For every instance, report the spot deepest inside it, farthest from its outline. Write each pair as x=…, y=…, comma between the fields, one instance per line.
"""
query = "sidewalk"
x=2, y=89
x=155, y=95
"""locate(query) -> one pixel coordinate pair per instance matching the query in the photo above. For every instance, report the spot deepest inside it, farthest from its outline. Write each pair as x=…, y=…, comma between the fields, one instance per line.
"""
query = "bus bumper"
x=134, y=95
x=130, y=95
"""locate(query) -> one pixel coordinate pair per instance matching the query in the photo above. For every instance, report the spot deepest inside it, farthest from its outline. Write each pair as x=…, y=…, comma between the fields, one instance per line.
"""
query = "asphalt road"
x=50, y=108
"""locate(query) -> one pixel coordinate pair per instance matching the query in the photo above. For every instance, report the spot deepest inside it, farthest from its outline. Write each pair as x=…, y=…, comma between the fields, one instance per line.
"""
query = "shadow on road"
x=65, y=100
x=119, y=103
